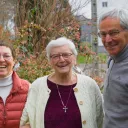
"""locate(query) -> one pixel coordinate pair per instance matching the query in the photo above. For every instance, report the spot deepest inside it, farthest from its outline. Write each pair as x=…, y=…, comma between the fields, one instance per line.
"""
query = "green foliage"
x=33, y=67
x=38, y=23
x=103, y=57
x=82, y=59
x=41, y=21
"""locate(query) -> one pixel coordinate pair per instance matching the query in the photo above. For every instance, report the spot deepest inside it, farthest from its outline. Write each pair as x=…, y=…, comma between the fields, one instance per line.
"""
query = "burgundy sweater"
x=55, y=116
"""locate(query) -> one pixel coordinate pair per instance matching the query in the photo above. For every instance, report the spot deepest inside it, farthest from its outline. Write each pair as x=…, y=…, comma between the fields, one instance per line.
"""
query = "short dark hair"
x=10, y=46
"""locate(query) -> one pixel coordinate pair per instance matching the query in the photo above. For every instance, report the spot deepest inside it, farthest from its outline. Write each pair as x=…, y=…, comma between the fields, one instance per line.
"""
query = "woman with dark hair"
x=13, y=90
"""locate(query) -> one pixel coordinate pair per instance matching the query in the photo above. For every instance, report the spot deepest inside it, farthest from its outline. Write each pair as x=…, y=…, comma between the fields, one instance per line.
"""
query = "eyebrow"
x=111, y=30
x=6, y=53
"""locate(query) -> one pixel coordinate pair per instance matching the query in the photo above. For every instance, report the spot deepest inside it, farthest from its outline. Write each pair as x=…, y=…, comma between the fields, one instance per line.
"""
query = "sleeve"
x=24, y=118
x=28, y=113
x=99, y=107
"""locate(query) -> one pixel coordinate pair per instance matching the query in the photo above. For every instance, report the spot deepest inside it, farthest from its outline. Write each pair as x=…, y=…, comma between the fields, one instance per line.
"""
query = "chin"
x=64, y=71
x=112, y=52
x=2, y=76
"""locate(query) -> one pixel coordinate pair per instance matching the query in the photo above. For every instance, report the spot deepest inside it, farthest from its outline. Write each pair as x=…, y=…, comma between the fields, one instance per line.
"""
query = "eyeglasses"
x=112, y=33
x=6, y=57
x=57, y=56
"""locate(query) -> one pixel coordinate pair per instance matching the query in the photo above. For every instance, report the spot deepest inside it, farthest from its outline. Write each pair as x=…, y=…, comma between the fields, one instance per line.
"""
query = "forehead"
x=60, y=49
x=109, y=23
x=4, y=49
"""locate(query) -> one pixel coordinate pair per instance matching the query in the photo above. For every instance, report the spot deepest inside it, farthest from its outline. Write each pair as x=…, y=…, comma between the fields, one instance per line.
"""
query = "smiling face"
x=113, y=45
x=62, y=59
x=6, y=61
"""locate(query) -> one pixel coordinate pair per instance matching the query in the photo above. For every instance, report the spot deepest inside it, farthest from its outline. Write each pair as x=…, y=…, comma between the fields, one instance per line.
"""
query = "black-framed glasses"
x=112, y=33
x=57, y=56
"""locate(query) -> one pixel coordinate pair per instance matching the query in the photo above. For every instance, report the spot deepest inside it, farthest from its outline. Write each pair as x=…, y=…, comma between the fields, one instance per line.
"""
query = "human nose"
x=108, y=38
x=1, y=58
x=61, y=58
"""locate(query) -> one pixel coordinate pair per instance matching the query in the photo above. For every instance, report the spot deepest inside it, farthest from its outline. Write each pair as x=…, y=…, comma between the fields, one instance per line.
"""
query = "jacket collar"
x=122, y=55
x=16, y=83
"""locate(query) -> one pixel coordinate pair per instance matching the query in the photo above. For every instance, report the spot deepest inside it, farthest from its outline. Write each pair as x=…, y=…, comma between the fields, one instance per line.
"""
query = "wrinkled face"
x=6, y=61
x=62, y=59
x=114, y=37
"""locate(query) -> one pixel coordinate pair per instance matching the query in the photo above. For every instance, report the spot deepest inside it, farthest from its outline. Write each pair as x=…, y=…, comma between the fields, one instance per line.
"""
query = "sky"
x=81, y=7
x=86, y=11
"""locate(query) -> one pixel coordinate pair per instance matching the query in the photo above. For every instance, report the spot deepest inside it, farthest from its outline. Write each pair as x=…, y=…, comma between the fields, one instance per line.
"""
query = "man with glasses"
x=113, y=27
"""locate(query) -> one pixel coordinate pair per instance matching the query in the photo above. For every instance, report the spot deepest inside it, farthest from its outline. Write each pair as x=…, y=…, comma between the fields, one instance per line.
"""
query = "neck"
x=6, y=81
x=63, y=79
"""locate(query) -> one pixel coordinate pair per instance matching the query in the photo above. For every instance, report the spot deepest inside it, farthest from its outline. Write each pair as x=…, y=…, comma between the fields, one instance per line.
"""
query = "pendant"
x=65, y=109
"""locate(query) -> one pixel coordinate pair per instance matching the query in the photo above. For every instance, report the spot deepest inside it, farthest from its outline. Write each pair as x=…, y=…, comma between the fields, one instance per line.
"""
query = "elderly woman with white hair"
x=63, y=99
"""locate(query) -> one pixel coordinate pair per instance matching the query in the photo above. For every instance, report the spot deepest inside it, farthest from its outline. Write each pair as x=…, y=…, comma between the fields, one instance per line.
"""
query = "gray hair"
x=120, y=13
x=60, y=42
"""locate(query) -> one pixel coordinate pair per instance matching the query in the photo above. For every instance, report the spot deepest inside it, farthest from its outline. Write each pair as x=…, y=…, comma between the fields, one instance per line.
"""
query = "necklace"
x=64, y=105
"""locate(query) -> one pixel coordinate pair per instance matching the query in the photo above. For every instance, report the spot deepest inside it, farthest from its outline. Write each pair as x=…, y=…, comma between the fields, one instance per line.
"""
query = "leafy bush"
x=33, y=67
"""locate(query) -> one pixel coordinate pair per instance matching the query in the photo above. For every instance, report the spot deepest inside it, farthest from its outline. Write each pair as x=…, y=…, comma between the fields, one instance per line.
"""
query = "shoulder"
x=20, y=83
x=40, y=82
x=38, y=87
x=85, y=79
x=87, y=82
x=25, y=84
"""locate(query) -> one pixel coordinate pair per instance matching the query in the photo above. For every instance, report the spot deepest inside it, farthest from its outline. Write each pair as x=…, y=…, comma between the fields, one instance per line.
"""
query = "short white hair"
x=60, y=42
x=120, y=13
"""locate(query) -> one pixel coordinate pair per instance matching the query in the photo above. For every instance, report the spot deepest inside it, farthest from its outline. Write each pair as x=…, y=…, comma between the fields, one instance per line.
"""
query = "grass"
x=81, y=59
x=103, y=57
x=85, y=59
